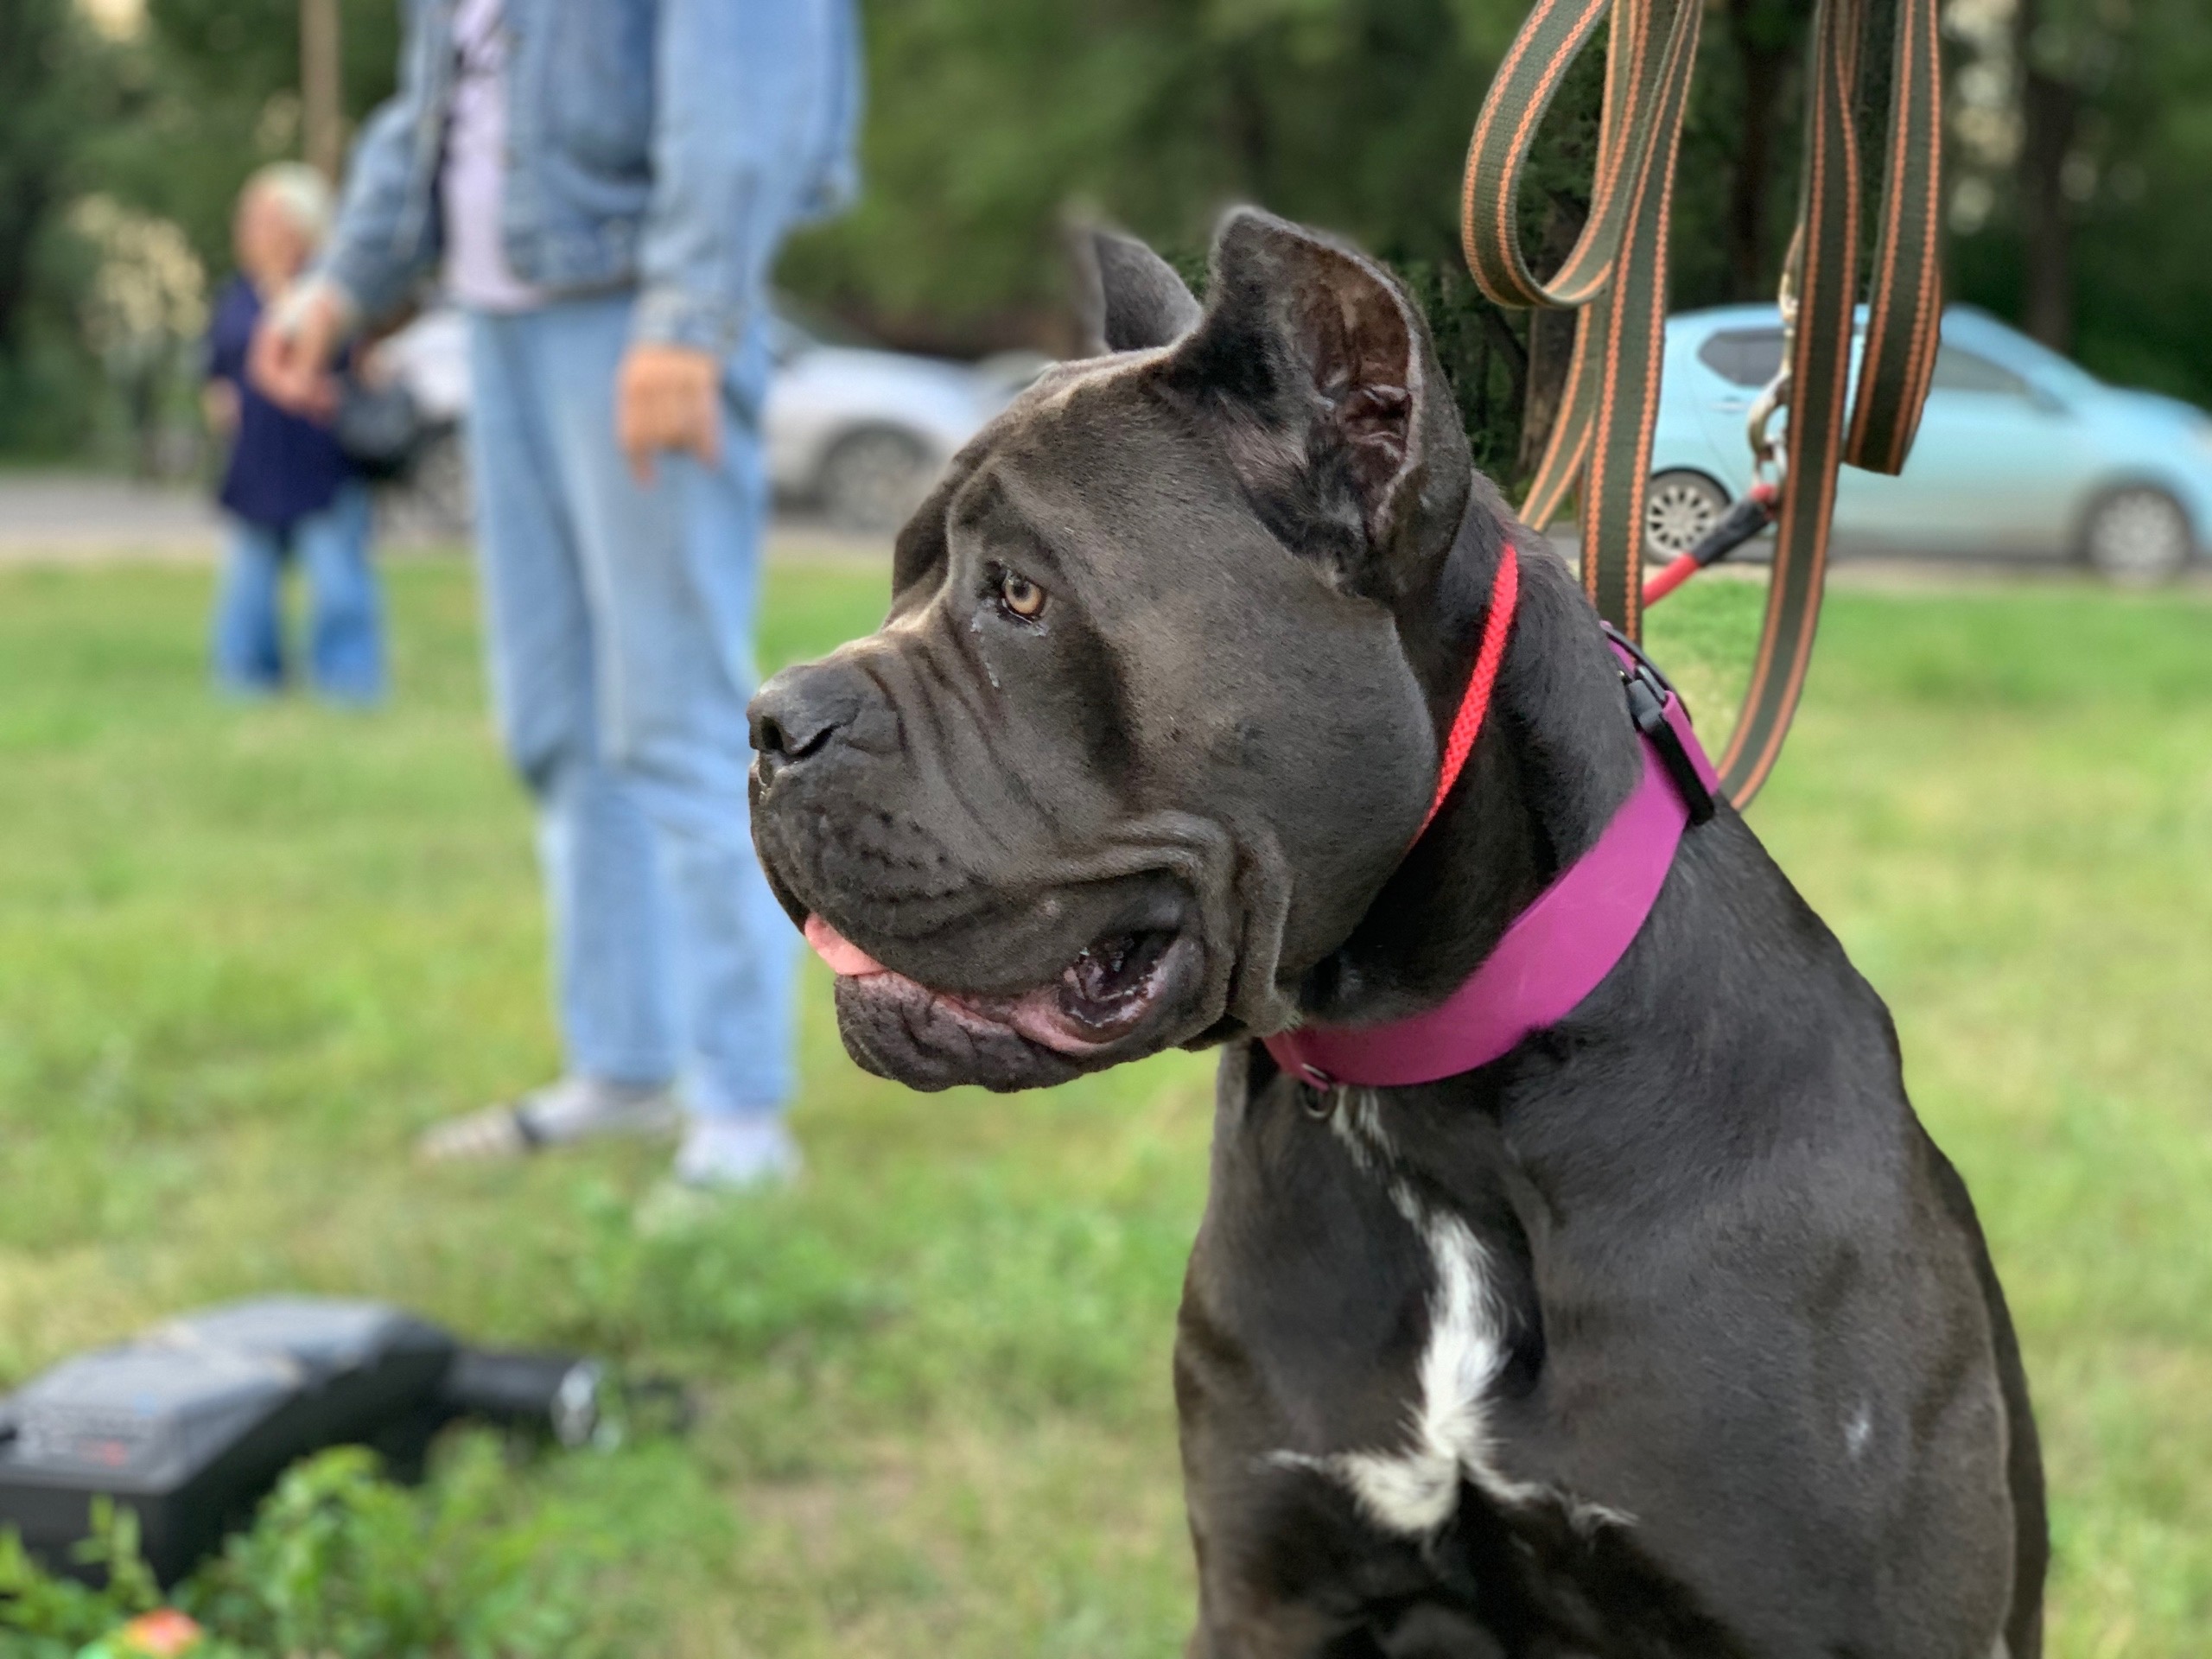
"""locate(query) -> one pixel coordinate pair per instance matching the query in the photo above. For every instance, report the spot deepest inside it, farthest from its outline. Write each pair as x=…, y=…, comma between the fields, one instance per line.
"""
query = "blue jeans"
x=621, y=625
x=345, y=610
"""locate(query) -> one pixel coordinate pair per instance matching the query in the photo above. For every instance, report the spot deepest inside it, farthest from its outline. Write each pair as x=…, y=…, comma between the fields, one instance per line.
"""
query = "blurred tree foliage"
x=2080, y=205
x=169, y=120
x=987, y=117
x=213, y=86
x=53, y=91
x=2083, y=135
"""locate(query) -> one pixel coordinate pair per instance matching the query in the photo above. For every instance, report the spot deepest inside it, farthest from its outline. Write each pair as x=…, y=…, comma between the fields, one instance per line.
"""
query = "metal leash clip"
x=1755, y=509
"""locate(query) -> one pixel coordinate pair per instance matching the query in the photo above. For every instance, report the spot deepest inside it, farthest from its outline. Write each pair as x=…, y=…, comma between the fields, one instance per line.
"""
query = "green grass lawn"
x=246, y=952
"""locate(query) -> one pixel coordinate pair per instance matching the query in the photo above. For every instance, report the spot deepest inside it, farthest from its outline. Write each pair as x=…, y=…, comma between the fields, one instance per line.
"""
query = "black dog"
x=1670, y=1333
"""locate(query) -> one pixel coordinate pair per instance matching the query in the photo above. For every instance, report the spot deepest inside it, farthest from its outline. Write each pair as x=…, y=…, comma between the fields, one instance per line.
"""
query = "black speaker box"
x=191, y=1423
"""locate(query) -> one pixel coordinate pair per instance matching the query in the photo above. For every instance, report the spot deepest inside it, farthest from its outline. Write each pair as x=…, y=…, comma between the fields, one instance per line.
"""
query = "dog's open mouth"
x=1104, y=993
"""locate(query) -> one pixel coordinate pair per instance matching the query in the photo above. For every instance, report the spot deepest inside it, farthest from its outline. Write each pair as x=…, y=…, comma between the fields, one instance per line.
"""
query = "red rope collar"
x=1558, y=949
x=1474, y=702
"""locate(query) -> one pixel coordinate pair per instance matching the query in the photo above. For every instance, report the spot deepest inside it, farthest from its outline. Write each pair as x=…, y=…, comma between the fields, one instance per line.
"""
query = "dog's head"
x=1143, y=734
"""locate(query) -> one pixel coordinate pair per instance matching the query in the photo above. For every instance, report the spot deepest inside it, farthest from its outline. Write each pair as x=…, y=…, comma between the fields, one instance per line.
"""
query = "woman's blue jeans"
x=620, y=627
x=344, y=608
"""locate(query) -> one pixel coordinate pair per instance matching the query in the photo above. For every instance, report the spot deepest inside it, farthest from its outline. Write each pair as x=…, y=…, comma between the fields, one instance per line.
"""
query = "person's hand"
x=218, y=406
x=293, y=347
x=668, y=397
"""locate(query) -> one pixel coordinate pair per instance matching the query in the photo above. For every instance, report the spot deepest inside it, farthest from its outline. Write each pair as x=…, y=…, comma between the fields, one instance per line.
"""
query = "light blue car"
x=2020, y=453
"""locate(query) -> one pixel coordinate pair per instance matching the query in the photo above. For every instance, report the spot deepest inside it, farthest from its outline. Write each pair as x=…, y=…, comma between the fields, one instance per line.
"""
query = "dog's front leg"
x=1421, y=1631
x=1286, y=1569
x=1266, y=1541
x=1278, y=1630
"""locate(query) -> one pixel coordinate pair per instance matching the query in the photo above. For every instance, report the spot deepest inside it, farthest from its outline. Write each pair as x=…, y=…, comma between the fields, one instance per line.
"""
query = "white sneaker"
x=574, y=1108
x=727, y=1154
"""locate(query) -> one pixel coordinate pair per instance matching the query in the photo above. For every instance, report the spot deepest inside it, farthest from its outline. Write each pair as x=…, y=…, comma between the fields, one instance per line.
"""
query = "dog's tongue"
x=1035, y=1014
x=843, y=957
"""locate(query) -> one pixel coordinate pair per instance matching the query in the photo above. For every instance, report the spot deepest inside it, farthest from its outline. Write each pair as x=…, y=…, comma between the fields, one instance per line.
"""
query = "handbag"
x=380, y=428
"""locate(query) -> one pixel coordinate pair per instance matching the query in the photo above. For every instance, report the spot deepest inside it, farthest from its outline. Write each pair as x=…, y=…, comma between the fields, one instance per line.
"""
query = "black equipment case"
x=189, y=1424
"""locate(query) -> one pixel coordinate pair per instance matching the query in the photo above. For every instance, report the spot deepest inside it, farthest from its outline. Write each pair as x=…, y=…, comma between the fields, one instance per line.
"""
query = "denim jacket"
x=683, y=195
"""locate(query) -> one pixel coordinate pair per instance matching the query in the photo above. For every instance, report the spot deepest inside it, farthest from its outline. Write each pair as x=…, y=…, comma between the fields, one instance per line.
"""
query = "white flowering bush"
x=149, y=292
x=144, y=310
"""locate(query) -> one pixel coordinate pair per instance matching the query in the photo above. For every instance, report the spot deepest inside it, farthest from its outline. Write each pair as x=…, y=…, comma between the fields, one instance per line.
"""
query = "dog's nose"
x=799, y=713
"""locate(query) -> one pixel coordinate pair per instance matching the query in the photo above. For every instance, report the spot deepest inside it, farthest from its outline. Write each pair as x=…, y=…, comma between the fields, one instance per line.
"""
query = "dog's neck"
x=1555, y=758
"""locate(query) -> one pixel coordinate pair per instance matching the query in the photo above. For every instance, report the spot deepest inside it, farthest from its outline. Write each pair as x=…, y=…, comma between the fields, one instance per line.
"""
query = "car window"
x=1960, y=370
x=2055, y=373
x=1747, y=357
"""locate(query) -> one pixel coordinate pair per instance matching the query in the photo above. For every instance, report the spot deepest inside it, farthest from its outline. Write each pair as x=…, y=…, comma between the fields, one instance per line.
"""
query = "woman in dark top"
x=288, y=490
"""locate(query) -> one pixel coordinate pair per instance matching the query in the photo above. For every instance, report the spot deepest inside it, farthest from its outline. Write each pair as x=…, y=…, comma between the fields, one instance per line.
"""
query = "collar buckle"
x=1650, y=692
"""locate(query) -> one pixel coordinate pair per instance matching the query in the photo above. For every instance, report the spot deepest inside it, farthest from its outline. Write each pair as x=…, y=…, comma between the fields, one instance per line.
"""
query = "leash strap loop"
x=1616, y=278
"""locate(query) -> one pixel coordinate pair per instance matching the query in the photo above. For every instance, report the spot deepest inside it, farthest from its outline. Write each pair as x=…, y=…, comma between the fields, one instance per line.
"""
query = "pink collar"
x=1556, y=951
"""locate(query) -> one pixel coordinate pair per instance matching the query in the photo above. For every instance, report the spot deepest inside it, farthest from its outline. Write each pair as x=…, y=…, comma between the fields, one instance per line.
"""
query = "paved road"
x=50, y=518
x=66, y=518
x=56, y=519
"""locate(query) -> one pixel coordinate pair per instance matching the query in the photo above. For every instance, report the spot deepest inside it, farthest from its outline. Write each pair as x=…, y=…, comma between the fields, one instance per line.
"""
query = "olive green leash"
x=1616, y=280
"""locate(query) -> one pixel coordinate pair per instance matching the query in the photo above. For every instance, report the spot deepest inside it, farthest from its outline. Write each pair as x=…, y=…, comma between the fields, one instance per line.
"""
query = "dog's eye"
x=1020, y=596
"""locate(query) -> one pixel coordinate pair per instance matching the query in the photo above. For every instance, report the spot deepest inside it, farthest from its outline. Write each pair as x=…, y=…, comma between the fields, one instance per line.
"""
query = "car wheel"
x=2136, y=537
x=1679, y=508
x=873, y=481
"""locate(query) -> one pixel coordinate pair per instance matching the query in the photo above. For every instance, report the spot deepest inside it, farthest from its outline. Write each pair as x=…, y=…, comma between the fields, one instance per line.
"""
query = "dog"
x=1670, y=1333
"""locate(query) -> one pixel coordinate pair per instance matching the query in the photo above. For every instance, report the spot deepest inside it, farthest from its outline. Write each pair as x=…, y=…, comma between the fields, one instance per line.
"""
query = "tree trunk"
x=1509, y=347
x=2051, y=111
x=22, y=209
x=321, y=100
x=35, y=146
x=1551, y=339
x=1246, y=135
x=1765, y=52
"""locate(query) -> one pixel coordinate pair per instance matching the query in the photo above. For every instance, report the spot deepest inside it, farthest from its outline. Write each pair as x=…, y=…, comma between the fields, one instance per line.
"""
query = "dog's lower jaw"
x=918, y=1040
x=1118, y=999
x=1225, y=934
x=1254, y=997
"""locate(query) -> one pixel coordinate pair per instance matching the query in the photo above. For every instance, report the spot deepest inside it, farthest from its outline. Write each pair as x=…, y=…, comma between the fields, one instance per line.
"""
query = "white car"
x=851, y=430
x=862, y=433
x=2020, y=454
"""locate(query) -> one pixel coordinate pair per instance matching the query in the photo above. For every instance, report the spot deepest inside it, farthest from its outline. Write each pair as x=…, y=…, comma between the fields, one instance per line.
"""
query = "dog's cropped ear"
x=1127, y=297
x=1336, y=412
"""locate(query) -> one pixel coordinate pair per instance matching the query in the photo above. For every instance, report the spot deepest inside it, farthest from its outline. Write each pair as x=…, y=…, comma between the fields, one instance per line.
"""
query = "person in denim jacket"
x=602, y=185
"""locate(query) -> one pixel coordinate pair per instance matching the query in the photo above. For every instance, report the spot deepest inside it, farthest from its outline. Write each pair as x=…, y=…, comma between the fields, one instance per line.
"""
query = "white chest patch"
x=1414, y=1488
x=1858, y=1431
